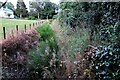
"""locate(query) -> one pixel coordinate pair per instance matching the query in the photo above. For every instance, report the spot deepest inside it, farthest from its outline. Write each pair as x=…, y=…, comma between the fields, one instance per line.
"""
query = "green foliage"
x=39, y=60
x=43, y=10
x=73, y=13
x=45, y=31
x=46, y=52
x=103, y=21
x=9, y=5
x=31, y=18
x=77, y=41
x=94, y=15
x=48, y=35
x=106, y=61
x=21, y=10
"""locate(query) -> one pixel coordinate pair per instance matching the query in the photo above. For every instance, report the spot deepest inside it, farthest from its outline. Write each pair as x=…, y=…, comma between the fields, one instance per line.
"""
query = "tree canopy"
x=21, y=10
x=42, y=9
x=9, y=5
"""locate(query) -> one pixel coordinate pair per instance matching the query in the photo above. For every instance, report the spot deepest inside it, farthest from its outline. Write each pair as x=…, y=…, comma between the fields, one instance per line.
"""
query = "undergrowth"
x=75, y=62
x=14, y=54
x=74, y=42
x=42, y=59
x=53, y=62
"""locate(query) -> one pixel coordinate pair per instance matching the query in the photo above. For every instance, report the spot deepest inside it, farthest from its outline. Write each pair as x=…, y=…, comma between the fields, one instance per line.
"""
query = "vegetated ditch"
x=46, y=52
x=75, y=52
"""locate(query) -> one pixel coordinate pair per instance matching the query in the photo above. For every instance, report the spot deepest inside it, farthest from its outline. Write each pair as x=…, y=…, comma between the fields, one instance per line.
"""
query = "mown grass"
x=11, y=23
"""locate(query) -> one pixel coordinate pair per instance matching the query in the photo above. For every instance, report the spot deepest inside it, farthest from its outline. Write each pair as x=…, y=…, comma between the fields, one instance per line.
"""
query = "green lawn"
x=11, y=23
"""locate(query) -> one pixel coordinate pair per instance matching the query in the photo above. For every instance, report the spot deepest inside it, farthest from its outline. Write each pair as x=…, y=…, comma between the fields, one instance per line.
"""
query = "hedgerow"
x=102, y=18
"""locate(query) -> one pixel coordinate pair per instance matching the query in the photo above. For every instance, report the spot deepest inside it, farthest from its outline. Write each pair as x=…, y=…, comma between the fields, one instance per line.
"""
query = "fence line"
x=4, y=32
x=25, y=28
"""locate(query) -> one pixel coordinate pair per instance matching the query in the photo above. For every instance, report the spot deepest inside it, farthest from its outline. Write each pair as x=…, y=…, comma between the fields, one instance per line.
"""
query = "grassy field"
x=11, y=23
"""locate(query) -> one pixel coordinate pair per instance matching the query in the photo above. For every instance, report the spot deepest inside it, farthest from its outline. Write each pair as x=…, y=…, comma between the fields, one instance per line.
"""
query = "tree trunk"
x=38, y=15
x=20, y=15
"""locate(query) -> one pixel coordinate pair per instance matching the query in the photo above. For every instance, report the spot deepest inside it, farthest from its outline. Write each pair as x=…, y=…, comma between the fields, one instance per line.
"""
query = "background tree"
x=42, y=9
x=3, y=4
x=9, y=5
x=21, y=10
x=49, y=10
x=35, y=8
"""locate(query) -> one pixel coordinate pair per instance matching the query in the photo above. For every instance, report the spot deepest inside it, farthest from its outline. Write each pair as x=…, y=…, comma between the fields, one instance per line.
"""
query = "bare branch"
x=3, y=4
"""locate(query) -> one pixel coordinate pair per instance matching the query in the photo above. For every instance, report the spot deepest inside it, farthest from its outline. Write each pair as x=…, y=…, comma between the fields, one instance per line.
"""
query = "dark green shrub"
x=106, y=60
x=106, y=63
x=41, y=60
x=45, y=31
x=31, y=18
x=48, y=35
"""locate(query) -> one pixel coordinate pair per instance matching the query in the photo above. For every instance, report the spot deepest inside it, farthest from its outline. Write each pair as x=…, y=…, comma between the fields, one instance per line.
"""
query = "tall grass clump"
x=74, y=57
x=76, y=40
x=44, y=58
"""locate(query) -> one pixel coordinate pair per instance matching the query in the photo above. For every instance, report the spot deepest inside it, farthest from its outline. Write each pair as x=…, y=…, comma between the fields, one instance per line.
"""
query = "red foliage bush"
x=14, y=53
x=22, y=41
